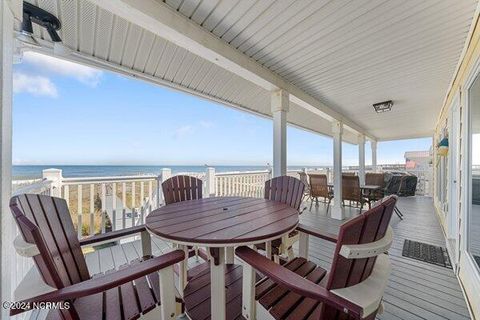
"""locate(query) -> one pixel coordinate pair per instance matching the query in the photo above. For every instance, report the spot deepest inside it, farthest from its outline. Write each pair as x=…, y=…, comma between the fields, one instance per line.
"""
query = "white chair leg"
x=291, y=255
x=146, y=243
x=268, y=249
x=167, y=294
x=248, y=292
x=303, y=245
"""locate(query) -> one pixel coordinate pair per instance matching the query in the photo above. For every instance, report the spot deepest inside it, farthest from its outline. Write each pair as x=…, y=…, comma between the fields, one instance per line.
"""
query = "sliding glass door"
x=473, y=205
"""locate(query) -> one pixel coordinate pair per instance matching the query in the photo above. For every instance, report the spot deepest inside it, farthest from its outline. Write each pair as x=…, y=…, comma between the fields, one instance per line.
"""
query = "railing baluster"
x=133, y=195
x=92, y=209
x=103, y=209
x=114, y=206
x=80, y=210
x=124, y=204
x=66, y=194
x=150, y=193
x=142, y=193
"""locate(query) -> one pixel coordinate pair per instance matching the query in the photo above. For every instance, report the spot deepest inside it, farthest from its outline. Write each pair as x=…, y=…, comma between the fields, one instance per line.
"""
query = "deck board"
x=416, y=290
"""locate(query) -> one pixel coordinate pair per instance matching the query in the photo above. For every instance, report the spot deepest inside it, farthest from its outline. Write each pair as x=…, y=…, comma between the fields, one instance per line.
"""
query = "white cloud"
x=36, y=85
x=183, y=131
x=84, y=74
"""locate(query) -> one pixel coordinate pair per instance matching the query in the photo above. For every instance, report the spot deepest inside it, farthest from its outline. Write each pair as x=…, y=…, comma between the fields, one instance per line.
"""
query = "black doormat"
x=427, y=253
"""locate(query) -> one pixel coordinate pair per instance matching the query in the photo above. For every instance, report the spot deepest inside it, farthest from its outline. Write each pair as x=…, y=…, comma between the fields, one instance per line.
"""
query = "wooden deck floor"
x=416, y=290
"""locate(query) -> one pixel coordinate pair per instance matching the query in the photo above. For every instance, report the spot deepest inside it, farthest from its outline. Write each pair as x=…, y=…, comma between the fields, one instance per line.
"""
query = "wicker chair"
x=351, y=190
x=319, y=189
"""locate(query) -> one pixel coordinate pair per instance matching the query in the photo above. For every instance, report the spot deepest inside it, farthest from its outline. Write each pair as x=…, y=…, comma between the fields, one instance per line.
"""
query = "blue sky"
x=65, y=113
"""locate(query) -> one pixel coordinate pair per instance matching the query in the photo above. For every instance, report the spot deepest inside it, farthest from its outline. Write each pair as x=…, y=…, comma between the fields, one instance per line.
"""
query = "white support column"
x=337, y=209
x=54, y=175
x=7, y=227
x=210, y=182
x=280, y=106
x=374, y=155
x=361, y=159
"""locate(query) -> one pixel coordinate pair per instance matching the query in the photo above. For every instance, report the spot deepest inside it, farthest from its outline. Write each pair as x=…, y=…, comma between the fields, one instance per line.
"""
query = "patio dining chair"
x=319, y=189
x=376, y=179
x=288, y=190
x=351, y=190
x=181, y=188
x=304, y=178
x=61, y=275
x=352, y=289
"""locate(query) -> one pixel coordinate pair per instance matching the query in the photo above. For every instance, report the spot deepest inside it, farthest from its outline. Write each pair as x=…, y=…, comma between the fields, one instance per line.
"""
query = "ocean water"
x=23, y=172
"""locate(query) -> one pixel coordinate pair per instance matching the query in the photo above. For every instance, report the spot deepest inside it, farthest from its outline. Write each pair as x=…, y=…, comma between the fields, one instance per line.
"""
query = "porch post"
x=210, y=182
x=337, y=130
x=361, y=159
x=373, y=143
x=280, y=105
x=7, y=227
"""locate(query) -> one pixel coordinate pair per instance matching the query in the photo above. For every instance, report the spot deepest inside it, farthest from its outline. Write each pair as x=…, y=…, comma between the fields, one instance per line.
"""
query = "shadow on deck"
x=416, y=290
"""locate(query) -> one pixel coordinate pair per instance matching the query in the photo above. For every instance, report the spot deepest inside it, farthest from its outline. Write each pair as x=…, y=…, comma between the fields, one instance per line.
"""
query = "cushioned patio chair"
x=288, y=190
x=351, y=190
x=352, y=289
x=61, y=275
x=319, y=189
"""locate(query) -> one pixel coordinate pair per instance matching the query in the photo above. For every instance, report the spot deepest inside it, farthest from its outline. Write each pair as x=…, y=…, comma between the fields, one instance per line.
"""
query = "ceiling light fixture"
x=384, y=106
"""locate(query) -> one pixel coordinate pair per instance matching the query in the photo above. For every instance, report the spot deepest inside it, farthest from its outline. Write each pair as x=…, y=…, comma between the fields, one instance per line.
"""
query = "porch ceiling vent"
x=41, y=17
x=384, y=106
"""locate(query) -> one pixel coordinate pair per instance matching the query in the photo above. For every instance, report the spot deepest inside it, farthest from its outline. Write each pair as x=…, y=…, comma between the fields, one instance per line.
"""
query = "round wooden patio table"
x=220, y=224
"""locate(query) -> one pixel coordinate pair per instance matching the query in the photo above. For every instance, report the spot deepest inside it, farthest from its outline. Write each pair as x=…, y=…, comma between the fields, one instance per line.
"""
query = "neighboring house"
x=418, y=160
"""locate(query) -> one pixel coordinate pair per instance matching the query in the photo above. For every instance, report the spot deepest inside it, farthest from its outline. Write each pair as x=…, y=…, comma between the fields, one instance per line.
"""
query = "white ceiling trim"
x=158, y=18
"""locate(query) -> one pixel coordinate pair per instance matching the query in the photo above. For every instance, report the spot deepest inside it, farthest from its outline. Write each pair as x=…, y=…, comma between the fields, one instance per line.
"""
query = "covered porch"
x=319, y=66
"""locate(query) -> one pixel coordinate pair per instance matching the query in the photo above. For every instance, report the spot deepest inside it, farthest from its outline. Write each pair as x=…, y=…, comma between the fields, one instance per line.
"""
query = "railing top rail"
x=237, y=173
x=85, y=180
x=36, y=187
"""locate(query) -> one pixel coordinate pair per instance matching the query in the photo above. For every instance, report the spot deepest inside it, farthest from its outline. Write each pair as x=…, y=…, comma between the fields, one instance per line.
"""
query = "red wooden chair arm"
x=296, y=283
x=112, y=235
x=107, y=281
x=317, y=233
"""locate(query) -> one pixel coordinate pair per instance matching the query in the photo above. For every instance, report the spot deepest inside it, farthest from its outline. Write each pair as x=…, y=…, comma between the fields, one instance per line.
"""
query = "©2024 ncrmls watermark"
x=63, y=305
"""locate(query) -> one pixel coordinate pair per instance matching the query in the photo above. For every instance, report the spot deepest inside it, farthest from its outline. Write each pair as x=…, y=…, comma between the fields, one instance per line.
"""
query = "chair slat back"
x=181, y=188
x=319, y=185
x=365, y=228
x=46, y=222
x=351, y=188
x=285, y=189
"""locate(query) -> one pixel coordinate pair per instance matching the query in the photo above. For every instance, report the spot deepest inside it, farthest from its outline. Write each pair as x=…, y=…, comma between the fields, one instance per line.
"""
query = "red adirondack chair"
x=288, y=190
x=47, y=235
x=353, y=288
x=181, y=188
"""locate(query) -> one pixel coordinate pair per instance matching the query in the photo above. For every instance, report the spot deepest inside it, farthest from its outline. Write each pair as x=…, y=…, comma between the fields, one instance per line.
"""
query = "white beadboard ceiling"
x=347, y=54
